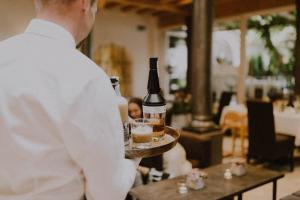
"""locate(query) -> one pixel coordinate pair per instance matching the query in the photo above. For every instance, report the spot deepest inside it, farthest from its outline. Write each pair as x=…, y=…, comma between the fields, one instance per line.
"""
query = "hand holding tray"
x=157, y=148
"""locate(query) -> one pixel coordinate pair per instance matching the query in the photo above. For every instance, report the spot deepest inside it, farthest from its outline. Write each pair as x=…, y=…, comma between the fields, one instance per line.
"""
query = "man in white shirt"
x=60, y=128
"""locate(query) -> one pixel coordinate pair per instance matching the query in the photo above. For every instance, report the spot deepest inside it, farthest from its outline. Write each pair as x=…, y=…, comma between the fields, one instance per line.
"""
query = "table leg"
x=274, y=189
x=240, y=196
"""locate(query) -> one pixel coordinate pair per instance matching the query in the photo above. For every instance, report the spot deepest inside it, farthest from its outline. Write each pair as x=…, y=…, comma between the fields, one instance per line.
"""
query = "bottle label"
x=154, y=109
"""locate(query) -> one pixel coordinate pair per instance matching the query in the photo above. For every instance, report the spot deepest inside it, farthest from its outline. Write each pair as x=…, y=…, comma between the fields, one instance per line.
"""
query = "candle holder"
x=195, y=179
x=238, y=168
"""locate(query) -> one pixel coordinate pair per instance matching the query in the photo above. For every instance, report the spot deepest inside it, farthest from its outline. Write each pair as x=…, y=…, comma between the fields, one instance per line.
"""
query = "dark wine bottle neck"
x=117, y=89
x=153, y=82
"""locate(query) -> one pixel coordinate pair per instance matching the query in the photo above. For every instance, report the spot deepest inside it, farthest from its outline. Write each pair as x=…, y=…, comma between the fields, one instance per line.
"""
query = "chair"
x=264, y=144
x=258, y=93
x=224, y=101
x=237, y=123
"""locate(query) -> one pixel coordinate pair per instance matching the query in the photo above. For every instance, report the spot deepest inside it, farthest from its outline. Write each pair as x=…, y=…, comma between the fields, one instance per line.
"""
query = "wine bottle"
x=123, y=107
x=154, y=104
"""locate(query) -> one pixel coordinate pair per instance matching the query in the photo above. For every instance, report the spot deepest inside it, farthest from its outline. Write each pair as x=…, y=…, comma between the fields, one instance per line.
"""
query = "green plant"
x=265, y=25
x=256, y=68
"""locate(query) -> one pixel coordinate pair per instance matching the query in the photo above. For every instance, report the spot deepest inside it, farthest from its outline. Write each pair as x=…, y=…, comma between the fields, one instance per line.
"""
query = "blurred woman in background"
x=170, y=164
x=135, y=108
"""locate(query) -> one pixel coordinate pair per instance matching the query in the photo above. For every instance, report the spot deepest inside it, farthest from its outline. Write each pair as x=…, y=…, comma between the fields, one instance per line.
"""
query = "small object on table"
x=182, y=187
x=238, y=168
x=227, y=174
x=216, y=187
x=195, y=179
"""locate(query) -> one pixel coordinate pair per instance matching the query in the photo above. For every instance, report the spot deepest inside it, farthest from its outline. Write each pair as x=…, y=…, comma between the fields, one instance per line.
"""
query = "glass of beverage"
x=182, y=186
x=141, y=133
x=158, y=125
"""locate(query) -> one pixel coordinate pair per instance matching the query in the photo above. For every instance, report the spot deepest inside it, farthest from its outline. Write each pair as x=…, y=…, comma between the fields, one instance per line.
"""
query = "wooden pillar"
x=297, y=51
x=241, y=86
x=188, y=23
x=201, y=59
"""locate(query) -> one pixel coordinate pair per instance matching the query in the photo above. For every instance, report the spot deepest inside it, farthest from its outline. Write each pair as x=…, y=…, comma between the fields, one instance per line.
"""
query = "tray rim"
x=145, y=153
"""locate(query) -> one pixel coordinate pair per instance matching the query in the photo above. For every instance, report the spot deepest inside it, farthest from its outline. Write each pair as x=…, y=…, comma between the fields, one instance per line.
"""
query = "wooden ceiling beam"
x=128, y=8
x=110, y=5
x=154, y=6
x=166, y=21
x=184, y=2
x=144, y=11
x=167, y=1
x=158, y=13
x=225, y=9
x=171, y=12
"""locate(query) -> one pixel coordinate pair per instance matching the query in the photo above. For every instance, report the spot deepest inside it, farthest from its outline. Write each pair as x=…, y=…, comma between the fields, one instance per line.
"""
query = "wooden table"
x=216, y=186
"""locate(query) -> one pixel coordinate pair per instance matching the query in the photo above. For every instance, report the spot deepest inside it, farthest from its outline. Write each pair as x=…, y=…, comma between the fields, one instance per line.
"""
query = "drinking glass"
x=141, y=133
x=158, y=125
x=182, y=186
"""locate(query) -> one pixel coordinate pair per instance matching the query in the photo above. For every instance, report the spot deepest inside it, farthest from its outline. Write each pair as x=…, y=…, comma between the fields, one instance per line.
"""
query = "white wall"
x=121, y=28
x=14, y=16
x=111, y=27
x=226, y=46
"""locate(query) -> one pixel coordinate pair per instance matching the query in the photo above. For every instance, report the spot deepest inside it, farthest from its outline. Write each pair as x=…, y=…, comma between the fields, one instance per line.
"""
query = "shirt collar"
x=51, y=30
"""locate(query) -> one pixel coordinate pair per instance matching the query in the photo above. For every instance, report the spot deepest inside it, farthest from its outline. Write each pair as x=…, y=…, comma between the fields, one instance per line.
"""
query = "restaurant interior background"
x=139, y=34
x=253, y=47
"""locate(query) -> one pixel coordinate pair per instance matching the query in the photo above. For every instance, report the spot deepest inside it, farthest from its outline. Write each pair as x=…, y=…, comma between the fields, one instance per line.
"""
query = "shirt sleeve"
x=92, y=133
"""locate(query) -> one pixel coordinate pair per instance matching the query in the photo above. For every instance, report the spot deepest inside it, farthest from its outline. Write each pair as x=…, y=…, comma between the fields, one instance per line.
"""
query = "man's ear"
x=85, y=5
x=38, y=5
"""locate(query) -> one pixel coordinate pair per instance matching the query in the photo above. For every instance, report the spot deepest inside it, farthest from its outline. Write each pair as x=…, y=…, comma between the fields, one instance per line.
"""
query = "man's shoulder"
x=11, y=39
x=71, y=66
x=7, y=44
x=81, y=63
x=80, y=57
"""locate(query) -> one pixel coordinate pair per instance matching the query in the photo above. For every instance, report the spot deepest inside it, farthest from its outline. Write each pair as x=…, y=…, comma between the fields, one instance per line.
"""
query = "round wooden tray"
x=157, y=148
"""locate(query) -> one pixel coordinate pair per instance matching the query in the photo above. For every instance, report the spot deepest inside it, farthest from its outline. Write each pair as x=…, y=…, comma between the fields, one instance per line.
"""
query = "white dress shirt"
x=60, y=128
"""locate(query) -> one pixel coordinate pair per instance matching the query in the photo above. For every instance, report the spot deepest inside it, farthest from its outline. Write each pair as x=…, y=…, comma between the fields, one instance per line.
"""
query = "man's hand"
x=136, y=161
x=143, y=170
